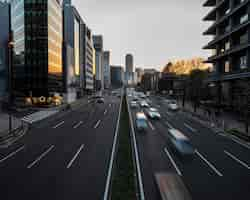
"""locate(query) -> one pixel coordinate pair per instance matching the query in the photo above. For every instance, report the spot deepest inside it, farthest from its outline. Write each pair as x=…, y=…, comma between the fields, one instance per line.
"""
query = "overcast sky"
x=154, y=31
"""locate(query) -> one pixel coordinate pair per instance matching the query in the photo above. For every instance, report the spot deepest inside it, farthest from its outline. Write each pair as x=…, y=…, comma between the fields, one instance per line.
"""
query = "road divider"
x=12, y=154
x=58, y=125
x=112, y=157
x=173, y=162
x=75, y=156
x=40, y=157
x=209, y=164
x=137, y=161
x=237, y=160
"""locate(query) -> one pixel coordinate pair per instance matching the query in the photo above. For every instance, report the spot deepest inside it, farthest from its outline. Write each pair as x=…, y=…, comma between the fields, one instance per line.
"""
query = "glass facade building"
x=37, y=54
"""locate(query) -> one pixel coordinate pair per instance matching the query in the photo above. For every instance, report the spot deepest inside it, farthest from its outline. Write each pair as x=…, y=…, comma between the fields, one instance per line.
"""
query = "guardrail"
x=108, y=187
x=136, y=156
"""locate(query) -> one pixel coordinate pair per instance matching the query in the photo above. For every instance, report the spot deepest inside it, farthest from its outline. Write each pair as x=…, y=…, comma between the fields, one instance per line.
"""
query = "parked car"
x=141, y=121
x=180, y=143
x=153, y=113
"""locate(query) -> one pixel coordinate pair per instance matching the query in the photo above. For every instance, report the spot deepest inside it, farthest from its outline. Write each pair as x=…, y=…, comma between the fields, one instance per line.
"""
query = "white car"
x=153, y=113
x=144, y=104
x=133, y=104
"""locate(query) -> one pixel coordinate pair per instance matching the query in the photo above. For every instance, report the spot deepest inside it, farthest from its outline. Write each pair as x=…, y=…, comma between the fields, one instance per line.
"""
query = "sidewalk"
x=224, y=122
x=4, y=123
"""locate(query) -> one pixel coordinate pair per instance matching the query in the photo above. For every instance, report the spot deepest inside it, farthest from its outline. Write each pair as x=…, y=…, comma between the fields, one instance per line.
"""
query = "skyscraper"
x=129, y=63
x=106, y=67
x=98, y=45
x=38, y=38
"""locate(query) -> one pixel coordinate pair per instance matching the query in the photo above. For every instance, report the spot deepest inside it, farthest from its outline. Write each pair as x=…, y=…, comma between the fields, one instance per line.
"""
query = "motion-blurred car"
x=141, y=121
x=144, y=104
x=153, y=113
x=180, y=143
x=172, y=105
x=133, y=104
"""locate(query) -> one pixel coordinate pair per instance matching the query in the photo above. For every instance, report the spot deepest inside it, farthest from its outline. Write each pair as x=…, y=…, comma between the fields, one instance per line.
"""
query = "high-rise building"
x=37, y=55
x=117, y=75
x=230, y=57
x=129, y=64
x=106, y=68
x=98, y=45
x=89, y=78
x=4, y=38
x=72, y=50
x=139, y=73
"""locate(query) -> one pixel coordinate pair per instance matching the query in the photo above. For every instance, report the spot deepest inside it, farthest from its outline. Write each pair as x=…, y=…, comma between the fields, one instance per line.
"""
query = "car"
x=100, y=100
x=172, y=105
x=153, y=113
x=133, y=104
x=141, y=121
x=144, y=104
x=180, y=143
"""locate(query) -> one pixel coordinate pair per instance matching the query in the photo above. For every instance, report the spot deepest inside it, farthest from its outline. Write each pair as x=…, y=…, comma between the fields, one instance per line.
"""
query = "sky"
x=154, y=31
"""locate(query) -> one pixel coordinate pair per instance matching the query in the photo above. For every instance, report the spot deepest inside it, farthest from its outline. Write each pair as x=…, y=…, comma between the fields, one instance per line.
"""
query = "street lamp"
x=10, y=48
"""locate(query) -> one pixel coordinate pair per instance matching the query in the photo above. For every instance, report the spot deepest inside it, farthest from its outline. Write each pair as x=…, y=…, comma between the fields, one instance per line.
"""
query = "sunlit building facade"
x=37, y=54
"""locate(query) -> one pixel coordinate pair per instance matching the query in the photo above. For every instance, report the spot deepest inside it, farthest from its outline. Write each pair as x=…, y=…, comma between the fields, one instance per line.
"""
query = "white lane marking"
x=239, y=142
x=237, y=160
x=97, y=124
x=190, y=128
x=151, y=125
x=173, y=162
x=169, y=125
x=105, y=112
x=40, y=157
x=12, y=154
x=208, y=163
x=78, y=124
x=110, y=105
x=58, y=125
x=75, y=156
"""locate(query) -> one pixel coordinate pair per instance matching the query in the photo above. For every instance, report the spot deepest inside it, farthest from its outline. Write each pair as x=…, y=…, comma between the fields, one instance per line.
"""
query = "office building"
x=37, y=55
x=117, y=75
x=72, y=49
x=106, y=69
x=230, y=57
x=98, y=45
x=129, y=64
x=88, y=61
x=4, y=38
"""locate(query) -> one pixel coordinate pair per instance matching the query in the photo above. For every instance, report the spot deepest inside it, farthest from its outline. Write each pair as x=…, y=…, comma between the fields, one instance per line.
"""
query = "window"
x=227, y=45
x=243, y=62
x=243, y=18
x=227, y=66
x=243, y=38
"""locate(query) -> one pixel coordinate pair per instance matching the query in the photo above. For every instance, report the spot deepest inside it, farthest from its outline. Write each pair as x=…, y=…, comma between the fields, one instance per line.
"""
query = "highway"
x=220, y=168
x=63, y=158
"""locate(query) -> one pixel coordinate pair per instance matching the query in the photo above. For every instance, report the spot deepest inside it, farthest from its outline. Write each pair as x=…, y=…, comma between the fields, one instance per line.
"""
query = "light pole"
x=10, y=48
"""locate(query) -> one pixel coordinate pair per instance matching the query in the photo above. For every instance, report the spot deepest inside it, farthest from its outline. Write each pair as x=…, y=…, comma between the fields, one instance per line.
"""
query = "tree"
x=195, y=86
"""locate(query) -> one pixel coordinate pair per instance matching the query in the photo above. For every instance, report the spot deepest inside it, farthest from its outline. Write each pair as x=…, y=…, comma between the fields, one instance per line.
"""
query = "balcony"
x=215, y=76
x=211, y=45
x=211, y=16
x=229, y=52
x=212, y=29
x=209, y=3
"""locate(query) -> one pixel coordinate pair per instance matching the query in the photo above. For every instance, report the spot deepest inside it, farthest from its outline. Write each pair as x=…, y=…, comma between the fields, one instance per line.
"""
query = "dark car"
x=100, y=100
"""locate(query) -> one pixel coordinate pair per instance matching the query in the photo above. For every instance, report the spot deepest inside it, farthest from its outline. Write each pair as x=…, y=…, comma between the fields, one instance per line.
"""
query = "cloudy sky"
x=154, y=31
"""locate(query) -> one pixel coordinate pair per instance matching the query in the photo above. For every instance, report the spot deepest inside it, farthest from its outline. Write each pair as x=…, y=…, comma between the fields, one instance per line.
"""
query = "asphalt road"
x=64, y=158
x=220, y=168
